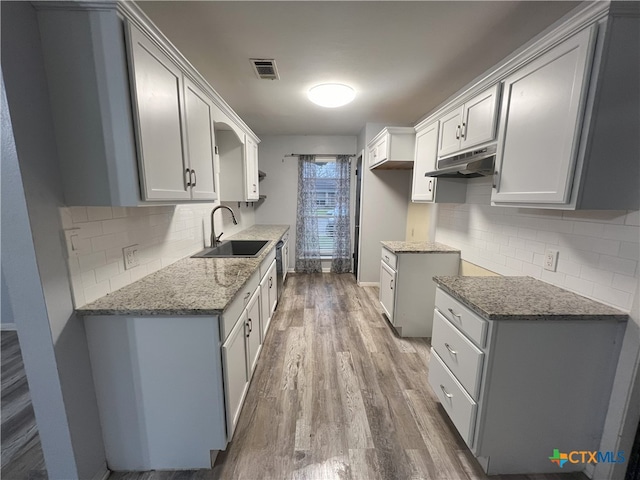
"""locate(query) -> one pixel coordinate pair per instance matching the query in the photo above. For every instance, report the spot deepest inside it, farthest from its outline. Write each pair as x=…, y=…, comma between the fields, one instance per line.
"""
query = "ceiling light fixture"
x=331, y=95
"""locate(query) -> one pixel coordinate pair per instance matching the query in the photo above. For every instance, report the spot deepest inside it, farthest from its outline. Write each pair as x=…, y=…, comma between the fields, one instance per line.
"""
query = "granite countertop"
x=191, y=286
x=524, y=298
x=418, y=247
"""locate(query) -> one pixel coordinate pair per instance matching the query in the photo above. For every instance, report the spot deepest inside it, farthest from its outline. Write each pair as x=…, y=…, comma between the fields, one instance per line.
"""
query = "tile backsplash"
x=163, y=234
x=599, y=249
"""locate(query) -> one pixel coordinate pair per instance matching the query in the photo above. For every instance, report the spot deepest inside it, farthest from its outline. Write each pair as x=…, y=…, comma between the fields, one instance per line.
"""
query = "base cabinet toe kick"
x=516, y=390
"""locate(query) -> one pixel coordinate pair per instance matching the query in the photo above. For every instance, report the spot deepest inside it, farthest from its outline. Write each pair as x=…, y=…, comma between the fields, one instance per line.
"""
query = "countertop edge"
x=447, y=248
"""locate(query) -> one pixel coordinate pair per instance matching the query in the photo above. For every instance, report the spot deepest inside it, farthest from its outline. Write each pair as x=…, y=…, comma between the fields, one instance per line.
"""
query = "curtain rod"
x=321, y=154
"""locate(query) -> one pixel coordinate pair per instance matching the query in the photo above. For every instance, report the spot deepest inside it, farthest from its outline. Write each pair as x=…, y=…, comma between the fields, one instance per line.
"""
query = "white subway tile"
x=591, y=244
x=552, y=238
x=121, y=280
x=527, y=233
x=603, y=216
x=524, y=255
x=493, y=247
x=99, y=213
x=626, y=233
x=92, y=261
x=81, y=246
x=588, y=228
x=535, y=247
x=568, y=267
x=579, y=285
x=103, y=242
x=79, y=214
x=625, y=283
x=630, y=250
x=88, y=229
x=517, y=243
x=596, y=275
x=538, y=259
x=616, y=264
x=612, y=296
x=88, y=278
x=96, y=291
x=633, y=218
x=115, y=225
x=555, y=225
x=154, y=266
x=579, y=256
x=532, y=270
x=514, y=264
x=555, y=278
x=119, y=212
x=510, y=230
x=138, y=272
x=107, y=271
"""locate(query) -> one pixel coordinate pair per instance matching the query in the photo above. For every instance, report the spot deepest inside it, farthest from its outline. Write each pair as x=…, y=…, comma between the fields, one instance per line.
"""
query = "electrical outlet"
x=130, y=254
x=551, y=260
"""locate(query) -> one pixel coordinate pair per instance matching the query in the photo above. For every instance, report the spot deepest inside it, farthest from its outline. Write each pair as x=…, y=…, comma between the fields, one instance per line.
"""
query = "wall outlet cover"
x=551, y=260
x=130, y=254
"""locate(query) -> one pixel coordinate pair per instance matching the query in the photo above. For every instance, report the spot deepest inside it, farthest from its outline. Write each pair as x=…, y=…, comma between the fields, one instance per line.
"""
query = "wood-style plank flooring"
x=336, y=395
x=21, y=450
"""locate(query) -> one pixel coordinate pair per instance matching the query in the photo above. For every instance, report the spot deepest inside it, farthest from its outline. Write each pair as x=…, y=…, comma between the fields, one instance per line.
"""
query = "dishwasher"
x=279, y=268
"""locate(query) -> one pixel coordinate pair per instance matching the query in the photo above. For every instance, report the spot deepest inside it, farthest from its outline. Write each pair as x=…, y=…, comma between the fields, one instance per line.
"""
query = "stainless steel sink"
x=234, y=249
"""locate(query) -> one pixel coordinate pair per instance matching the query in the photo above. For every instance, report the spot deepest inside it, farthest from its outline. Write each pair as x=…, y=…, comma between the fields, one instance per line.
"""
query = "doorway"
x=356, y=230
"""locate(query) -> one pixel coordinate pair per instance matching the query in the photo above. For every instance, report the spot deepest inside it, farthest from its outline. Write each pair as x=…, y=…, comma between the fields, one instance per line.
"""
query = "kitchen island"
x=173, y=354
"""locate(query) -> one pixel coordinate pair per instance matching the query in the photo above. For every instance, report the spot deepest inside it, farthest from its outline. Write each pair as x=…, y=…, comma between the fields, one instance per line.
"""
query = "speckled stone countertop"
x=418, y=247
x=524, y=298
x=191, y=286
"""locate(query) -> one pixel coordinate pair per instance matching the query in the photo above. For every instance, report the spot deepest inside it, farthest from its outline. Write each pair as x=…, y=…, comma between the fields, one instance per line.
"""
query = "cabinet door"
x=541, y=116
x=157, y=91
x=480, y=118
x=387, y=289
x=382, y=149
x=265, y=316
x=373, y=156
x=200, y=142
x=251, y=170
x=449, y=138
x=273, y=288
x=253, y=331
x=425, y=161
x=236, y=377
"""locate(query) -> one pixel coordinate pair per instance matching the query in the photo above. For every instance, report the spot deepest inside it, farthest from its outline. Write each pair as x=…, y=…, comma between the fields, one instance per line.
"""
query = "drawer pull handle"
x=444, y=390
x=453, y=313
x=453, y=352
x=246, y=298
x=386, y=258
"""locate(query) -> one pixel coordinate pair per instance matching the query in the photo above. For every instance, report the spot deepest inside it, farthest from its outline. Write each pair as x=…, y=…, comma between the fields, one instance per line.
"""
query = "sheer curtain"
x=341, y=256
x=307, y=238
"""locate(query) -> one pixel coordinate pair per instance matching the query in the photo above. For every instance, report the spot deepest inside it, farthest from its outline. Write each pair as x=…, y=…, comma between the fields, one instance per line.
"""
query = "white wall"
x=599, y=253
x=164, y=234
x=385, y=195
x=281, y=183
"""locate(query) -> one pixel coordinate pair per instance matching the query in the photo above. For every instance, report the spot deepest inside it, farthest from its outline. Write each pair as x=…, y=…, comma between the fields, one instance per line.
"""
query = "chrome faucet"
x=215, y=240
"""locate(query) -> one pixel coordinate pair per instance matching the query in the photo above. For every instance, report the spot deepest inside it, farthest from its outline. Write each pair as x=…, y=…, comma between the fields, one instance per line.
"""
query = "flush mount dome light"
x=331, y=95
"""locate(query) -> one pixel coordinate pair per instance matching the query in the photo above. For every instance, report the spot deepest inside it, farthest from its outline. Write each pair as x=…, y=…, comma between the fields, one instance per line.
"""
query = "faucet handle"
x=218, y=237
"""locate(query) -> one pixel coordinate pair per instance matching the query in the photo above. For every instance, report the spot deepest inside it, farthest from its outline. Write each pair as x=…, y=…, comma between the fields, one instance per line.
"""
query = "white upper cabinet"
x=430, y=189
x=157, y=88
x=540, y=126
x=252, y=190
x=470, y=124
x=200, y=142
x=392, y=149
x=134, y=122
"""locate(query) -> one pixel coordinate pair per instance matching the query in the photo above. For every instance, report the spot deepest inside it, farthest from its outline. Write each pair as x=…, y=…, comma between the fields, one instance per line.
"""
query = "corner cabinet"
x=568, y=135
x=134, y=122
x=430, y=189
x=174, y=126
x=392, y=149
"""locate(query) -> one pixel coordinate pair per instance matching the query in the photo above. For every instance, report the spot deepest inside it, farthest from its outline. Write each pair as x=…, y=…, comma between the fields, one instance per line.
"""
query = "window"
x=326, y=204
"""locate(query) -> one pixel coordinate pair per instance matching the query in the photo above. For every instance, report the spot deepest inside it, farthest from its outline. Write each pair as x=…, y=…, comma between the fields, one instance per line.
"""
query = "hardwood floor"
x=21, y=450
x=336, y=395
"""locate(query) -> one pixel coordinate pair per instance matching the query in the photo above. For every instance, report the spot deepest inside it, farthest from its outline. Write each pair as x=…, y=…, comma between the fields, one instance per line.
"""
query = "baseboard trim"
x=8, y=327
x=368, y=284
x=103, y=474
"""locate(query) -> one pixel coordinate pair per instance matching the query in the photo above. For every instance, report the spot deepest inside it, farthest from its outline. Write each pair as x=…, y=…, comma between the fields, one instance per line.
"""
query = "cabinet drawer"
x=468, y=322
x=389, y=258
x=266, y=263
x=459, y=405
x=462, y=357
x=234, y=310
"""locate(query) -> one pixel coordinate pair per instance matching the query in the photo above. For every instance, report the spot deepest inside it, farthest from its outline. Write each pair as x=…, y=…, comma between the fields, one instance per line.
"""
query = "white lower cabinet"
x=517, y=389
x=236, y=376
x=405, y=296
x=252, y=332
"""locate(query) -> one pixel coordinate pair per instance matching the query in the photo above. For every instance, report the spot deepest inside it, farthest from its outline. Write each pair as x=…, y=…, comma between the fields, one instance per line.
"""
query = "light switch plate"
x=130, y=254
x=551, y=260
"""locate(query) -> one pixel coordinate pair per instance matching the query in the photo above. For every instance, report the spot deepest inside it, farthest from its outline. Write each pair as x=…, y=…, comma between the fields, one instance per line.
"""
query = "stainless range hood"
x=477, y=163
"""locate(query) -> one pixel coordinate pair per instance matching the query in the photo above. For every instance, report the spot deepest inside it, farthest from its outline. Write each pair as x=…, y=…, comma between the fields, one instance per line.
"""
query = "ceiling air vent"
x=265, y=68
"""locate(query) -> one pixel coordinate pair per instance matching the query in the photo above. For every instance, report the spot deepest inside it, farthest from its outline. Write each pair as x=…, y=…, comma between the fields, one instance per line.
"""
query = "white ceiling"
x=403, y=58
